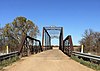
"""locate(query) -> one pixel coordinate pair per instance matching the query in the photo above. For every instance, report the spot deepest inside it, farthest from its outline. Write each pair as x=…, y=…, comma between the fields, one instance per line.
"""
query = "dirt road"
x=51, y=60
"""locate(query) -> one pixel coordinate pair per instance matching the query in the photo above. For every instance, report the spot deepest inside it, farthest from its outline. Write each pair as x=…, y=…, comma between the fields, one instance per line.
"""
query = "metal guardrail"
x=9, y=55
x=86, y=55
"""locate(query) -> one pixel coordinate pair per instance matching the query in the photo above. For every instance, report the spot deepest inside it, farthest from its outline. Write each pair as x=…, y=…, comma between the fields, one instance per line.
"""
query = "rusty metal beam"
x=43, y=38
x=25, y=43
x=62, y=38
x=47, y=40
x=71, y=43
x=53, y=28
x=46, y=31
x=21, y=44
x=69, y=50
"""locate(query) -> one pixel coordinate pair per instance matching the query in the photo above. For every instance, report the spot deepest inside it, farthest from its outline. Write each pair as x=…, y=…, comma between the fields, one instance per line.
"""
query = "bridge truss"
x=50, y=33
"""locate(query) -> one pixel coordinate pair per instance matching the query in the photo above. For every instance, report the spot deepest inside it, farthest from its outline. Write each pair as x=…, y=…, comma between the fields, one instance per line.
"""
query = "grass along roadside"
x=7, y=62
x=86, y=63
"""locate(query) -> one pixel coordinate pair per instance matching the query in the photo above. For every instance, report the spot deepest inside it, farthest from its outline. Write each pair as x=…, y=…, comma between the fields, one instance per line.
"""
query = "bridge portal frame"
x=45, y=30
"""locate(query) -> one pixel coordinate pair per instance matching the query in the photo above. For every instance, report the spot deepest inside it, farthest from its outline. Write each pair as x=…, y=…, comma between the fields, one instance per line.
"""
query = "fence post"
x=7, y=51
x=82, y=49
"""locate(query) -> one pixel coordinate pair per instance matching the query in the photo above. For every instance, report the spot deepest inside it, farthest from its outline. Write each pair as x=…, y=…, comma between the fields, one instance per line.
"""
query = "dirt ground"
x=51, y=60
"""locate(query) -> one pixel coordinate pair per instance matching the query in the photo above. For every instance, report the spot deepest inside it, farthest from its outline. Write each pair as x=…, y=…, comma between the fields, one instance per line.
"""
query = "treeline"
x=12, y=33
x=91, y=41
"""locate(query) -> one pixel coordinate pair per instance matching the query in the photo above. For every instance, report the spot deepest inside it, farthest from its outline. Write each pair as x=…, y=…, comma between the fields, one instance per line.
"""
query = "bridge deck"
x=51, y=60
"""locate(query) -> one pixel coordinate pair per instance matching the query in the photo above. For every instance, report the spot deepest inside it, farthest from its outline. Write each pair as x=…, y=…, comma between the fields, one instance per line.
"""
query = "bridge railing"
x=29, y=46
x=86, y=56
x=9, y=55
x=68, y=45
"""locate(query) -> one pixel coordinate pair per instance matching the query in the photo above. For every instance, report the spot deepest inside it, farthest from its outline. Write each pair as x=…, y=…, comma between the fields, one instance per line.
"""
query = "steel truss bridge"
x=48, y=59
x=31, y=45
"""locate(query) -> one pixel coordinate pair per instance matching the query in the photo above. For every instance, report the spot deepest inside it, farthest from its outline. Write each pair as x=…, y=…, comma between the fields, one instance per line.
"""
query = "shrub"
x=8, y=61
x=86, y=63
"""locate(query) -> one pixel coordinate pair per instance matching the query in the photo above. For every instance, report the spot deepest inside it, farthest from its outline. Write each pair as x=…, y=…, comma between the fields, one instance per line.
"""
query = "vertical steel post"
x=71, y=43
x=62, y=39
x=43, y=38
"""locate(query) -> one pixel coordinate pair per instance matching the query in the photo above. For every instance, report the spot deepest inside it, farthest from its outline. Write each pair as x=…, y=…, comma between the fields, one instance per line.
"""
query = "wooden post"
x=7, y=51
x=82, y=49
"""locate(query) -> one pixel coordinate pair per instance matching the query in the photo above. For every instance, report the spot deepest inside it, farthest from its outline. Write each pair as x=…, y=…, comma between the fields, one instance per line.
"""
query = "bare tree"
x=91, y=41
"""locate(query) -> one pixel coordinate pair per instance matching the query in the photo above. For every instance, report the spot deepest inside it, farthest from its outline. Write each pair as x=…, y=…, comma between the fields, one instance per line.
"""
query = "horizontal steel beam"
x=53, y=28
